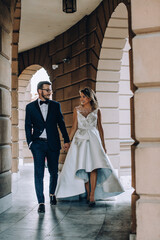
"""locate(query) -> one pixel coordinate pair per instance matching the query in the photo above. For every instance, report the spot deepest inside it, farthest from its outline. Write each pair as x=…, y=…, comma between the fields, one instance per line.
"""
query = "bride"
x=87, y=167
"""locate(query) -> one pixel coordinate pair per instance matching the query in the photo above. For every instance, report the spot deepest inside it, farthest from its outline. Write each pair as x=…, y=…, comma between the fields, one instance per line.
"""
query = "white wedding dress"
x=86, y=154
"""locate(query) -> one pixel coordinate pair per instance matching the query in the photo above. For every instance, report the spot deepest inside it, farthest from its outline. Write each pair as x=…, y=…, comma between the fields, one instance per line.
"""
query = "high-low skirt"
x=85, y=155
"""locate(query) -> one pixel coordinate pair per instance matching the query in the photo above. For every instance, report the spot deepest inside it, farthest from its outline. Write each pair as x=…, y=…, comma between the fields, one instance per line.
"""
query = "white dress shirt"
x=44, y=111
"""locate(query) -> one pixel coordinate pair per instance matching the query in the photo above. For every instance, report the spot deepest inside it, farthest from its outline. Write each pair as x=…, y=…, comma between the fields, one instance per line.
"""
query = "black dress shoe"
x=92, y=204
x=53, y=200
x=41, y=208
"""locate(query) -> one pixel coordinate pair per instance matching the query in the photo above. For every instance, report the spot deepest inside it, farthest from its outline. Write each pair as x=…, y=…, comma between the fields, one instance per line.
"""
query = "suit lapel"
x=49, y=110
x=38, y=108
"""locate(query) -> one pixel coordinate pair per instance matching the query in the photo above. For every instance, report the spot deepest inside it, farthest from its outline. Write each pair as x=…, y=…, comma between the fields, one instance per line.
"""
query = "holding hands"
x=66, y=147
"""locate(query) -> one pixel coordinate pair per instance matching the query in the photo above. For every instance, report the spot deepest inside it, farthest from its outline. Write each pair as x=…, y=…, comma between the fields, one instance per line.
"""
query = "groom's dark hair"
x=40, y=84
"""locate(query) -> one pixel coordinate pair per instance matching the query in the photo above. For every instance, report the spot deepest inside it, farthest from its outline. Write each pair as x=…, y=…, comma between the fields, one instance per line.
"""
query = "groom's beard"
x=46, y=97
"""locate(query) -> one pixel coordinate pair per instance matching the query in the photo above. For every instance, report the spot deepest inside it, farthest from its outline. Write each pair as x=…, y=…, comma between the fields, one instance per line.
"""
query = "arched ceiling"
x=42, y=21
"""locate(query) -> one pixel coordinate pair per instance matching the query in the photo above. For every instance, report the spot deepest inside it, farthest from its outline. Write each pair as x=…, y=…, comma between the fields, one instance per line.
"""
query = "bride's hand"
x=66, y=147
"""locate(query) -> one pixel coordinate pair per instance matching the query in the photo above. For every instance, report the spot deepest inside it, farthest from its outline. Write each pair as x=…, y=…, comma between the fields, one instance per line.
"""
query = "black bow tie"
x=45, y=102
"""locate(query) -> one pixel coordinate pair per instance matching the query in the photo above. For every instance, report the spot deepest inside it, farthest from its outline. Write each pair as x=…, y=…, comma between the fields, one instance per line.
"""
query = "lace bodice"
x=86, y=120
x=83, y=110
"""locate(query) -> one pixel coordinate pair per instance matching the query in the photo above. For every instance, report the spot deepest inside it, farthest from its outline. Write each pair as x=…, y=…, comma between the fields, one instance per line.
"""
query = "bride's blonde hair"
x=89, y=93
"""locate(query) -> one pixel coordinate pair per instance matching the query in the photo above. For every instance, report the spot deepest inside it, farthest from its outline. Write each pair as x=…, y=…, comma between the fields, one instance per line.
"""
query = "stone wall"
x=146, y=73
x=113, y=91
x=14, y=87
x=6, y=26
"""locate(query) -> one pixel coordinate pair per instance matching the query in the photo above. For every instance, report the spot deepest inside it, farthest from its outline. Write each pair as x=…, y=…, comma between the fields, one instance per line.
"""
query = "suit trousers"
x=41, y=151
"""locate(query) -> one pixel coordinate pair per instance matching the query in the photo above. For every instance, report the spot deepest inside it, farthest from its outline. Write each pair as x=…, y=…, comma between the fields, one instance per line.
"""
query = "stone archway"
x=24, y=97
x=29, y=63
x=113, y=91
x=105, y=11
x=114, y=81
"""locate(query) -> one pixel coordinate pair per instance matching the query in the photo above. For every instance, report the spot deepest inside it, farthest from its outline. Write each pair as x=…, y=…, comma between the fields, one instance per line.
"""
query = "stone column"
x=110, y=90
x=24, y=99
x=14, y=86
x=15, y=138
x=146, y=62
x=124, y=119
x=108, y=98
x=5, y=107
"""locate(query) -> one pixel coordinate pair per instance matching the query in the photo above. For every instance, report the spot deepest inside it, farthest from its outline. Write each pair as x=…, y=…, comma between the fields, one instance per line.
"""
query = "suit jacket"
x=35, y=124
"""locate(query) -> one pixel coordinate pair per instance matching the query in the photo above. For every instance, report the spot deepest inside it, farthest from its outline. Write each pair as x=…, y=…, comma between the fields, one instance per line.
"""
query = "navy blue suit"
x=50, y=149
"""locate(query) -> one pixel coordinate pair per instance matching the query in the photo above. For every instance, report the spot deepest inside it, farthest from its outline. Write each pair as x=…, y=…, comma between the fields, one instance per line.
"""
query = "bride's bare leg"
x=93, y=180
x=87, y=189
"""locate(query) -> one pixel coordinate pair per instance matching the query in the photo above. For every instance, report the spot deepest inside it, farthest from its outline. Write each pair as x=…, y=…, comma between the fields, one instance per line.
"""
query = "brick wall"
x=81, y=44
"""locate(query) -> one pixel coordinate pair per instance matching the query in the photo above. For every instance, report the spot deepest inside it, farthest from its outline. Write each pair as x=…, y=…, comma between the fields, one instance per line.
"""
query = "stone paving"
x=72, y=220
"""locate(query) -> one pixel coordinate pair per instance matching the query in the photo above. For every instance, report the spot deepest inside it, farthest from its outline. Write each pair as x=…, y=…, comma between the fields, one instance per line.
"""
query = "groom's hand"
x=66, y=147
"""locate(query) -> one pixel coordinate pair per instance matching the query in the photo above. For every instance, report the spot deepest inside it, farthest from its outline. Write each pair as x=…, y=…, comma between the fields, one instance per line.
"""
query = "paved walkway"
x=109, y=220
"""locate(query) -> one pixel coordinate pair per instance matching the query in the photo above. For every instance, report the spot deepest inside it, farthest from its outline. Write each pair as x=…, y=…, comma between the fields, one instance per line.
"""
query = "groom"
x=41, y=121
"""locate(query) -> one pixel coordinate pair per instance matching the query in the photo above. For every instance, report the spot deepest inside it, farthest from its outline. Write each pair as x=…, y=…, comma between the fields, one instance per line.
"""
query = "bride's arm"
x=100, y=129
x=75, y=124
